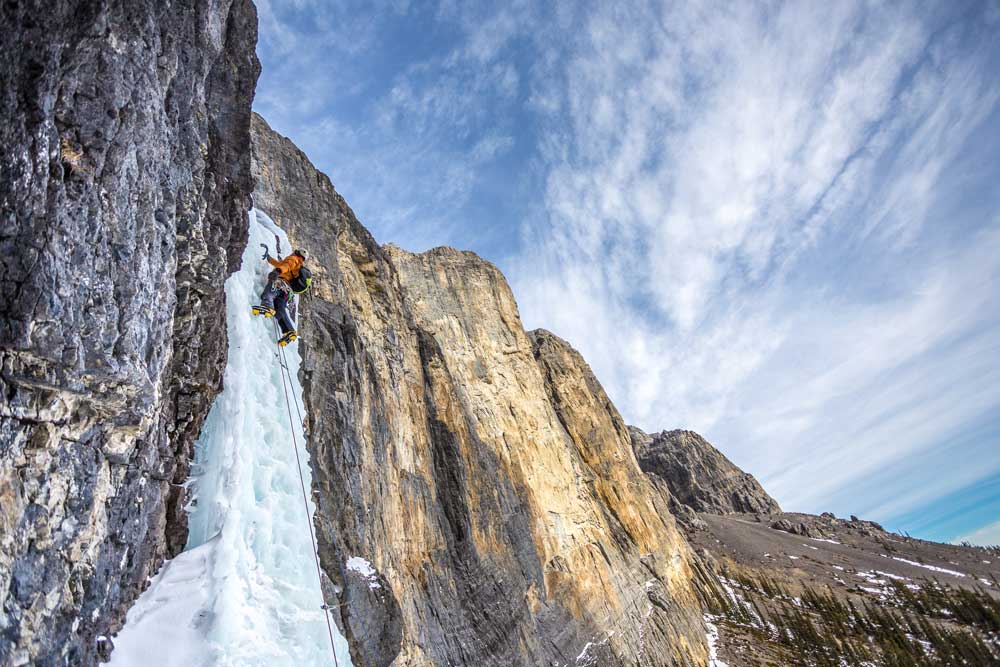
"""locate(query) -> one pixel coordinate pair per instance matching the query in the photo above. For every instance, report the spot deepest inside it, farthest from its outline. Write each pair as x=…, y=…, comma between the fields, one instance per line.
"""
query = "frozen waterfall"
x=245, y=590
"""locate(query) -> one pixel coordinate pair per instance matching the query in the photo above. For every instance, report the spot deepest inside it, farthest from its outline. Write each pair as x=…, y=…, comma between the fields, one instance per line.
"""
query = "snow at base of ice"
x=245, y=591
x=174, y=612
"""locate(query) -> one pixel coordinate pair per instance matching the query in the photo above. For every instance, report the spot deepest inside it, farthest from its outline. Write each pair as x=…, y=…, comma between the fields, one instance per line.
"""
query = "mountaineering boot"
x=262, y=310
x=287, y=338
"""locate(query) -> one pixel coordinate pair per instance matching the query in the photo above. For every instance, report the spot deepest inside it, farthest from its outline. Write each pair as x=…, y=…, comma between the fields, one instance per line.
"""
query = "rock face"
x=481, y=469
x=124, y=177
x=698, y=476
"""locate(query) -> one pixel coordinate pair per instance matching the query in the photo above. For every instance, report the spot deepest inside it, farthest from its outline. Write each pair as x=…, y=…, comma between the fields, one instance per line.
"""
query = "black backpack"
x=301, y=282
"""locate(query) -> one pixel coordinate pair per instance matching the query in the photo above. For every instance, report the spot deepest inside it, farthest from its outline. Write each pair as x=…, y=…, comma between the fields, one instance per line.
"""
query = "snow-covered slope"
x=245, y=591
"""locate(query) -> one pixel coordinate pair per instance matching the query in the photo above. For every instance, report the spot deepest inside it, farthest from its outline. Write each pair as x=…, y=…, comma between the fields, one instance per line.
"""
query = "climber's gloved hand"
x=267, y=253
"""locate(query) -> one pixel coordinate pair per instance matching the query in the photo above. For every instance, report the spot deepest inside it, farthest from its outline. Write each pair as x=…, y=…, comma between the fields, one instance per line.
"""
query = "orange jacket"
x=288, y=267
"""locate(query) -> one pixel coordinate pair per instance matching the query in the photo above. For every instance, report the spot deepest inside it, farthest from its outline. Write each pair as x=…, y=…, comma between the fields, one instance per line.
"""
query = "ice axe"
x=267, y=253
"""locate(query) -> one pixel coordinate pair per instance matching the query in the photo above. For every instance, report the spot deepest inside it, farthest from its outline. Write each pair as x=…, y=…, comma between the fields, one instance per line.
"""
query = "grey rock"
x=698, y=475
x=783, y=525
x=372, y=619
x=105, y=647
x=825, y=525
x=793, y=527
x=124, y=178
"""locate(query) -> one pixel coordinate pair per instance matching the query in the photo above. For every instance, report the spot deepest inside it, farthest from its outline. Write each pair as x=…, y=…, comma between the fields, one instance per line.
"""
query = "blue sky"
x=777, y=224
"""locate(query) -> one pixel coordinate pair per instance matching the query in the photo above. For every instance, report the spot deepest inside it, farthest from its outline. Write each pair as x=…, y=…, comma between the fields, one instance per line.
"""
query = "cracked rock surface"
x=124, y=177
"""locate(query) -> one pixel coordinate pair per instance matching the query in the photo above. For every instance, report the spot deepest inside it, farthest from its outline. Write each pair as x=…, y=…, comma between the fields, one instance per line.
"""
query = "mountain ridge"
x=467, y=330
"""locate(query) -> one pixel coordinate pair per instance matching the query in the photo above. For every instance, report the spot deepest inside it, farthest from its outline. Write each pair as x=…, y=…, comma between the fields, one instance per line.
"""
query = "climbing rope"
x=302, y=485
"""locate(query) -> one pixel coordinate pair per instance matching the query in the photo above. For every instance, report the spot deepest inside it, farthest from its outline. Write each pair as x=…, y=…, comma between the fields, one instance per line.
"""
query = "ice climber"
x=289, y=275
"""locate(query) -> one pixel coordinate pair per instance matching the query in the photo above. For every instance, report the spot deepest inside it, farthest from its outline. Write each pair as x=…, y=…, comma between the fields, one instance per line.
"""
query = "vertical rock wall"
x=482, y=471
x=124, y=177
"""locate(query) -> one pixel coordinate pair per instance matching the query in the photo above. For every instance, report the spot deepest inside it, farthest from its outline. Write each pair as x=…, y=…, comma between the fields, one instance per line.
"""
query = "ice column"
x=245, y=590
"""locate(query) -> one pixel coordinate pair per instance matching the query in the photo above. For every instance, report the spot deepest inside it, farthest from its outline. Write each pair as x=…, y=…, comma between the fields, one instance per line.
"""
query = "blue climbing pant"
x=276, y=297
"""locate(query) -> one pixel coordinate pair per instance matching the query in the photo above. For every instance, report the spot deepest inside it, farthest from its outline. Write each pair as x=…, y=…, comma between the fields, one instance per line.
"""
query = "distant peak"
x=699, y=475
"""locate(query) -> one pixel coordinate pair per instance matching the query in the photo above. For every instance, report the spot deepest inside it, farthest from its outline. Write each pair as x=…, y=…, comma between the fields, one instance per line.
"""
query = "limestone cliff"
x=480, y=468
x=698, y=476
x=124, y=178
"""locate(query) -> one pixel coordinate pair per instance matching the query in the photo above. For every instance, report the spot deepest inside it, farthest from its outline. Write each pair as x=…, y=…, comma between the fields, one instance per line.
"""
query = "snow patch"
x=586, y=658
x=712, y=637
x=928, y=649
x=933, y=568
x=738, y=599
x=365, y=569
x=172, y=618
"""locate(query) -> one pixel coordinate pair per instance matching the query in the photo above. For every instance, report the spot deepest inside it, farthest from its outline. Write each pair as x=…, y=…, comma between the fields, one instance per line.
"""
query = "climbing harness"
x=302, y=484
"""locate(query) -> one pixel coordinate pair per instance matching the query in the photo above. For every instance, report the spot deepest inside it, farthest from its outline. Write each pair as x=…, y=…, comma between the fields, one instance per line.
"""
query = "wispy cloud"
x=775, y=223
x=749, y=234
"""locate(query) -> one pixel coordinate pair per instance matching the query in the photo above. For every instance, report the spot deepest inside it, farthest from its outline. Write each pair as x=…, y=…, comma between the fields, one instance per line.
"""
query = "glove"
x=267, y=253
